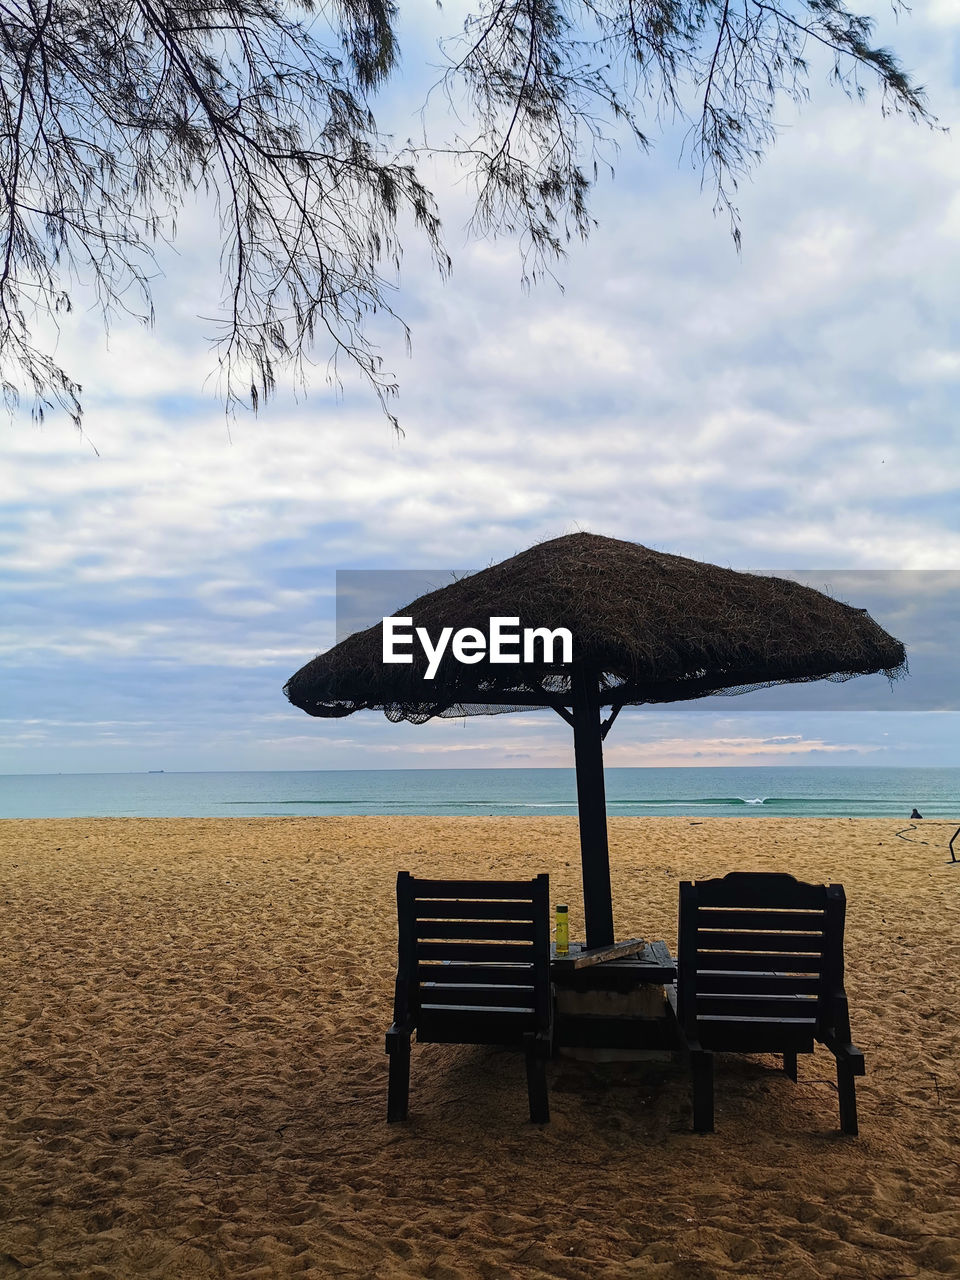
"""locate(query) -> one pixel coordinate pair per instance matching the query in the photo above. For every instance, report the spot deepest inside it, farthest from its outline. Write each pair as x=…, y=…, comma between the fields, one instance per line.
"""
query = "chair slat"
x=437, y=889
x=766, y=1021
x=763, y=889
x=756, y=1036
x=776, y=1007
x=471, y=1010
x=756, y=918
x=489, y=951
x=457, y=994
x=470, y=1025
x=473, y=909
x=489, y=974
x=755, y=983
x=783, y=963
x=496, y=930
x=720, y=940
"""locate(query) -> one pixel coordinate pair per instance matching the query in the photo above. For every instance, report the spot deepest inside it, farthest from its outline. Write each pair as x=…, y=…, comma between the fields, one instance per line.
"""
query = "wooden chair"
x=474, y=968
x=760, y=970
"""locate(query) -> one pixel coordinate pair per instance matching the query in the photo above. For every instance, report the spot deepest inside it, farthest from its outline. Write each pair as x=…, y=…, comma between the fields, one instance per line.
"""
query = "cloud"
x=704, y=752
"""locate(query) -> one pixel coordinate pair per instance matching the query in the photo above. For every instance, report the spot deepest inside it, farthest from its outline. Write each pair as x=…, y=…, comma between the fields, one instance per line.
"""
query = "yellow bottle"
x=563, y=931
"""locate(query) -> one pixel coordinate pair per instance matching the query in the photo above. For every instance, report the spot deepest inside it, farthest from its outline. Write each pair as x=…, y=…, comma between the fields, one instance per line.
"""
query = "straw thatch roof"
x=653, y=627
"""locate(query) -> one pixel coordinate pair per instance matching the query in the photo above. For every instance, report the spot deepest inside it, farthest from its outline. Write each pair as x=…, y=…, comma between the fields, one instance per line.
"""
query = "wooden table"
x=615, y=1003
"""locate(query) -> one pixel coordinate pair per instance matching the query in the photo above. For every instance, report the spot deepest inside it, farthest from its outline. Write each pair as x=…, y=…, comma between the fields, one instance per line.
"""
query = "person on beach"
x=916, y=814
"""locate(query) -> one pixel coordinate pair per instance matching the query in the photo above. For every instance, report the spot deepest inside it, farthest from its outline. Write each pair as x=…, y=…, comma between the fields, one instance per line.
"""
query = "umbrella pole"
x=592, y=802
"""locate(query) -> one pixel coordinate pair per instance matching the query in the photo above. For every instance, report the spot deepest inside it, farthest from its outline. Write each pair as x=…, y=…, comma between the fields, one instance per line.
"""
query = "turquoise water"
x=832, y=792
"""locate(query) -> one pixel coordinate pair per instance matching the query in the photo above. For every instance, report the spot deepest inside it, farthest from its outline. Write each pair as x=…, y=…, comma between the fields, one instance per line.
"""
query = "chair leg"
x=537, y=1083
x=847, y=1089
x=790, y=1065
x=701, y=1064
x=398, y=1087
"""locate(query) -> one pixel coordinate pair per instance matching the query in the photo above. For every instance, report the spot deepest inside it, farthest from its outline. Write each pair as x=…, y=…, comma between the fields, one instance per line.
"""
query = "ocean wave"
x=796, y=805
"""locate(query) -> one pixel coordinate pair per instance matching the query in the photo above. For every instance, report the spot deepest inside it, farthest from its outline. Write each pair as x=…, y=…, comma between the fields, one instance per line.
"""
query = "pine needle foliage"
x=113, y=114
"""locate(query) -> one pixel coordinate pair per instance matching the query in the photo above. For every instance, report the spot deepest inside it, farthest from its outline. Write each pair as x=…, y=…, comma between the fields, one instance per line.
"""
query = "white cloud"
x=707, y=752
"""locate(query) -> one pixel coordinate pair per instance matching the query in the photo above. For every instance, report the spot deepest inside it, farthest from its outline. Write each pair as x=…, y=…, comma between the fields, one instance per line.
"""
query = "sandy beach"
x=194, y=1082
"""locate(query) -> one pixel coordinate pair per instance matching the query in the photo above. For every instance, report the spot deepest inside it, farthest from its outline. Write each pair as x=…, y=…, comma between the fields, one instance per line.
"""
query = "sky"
x=790, y=408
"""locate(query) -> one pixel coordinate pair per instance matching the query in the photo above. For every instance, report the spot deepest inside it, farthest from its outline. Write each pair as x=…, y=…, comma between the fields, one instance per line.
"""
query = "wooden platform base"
x=617, y=1008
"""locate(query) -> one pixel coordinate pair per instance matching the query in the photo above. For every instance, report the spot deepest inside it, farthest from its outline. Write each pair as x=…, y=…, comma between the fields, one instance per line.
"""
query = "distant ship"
x=154, y=771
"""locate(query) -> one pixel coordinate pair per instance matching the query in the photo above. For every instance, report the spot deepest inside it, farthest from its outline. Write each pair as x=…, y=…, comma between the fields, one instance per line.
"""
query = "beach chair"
x=474, y=968
x=760, y=970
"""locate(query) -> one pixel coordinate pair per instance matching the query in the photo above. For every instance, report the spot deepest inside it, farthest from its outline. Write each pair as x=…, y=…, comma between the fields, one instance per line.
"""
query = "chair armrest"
x=401, y=1001
x=835, y=1032
x=547, y=1031
x=690, y=1042
x=540, y=1042
x=398, y=1032
x=841, y=1048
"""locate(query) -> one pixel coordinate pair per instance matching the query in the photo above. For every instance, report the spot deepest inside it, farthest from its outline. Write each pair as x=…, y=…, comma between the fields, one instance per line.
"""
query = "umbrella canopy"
x=646, y=627
x=654, y=627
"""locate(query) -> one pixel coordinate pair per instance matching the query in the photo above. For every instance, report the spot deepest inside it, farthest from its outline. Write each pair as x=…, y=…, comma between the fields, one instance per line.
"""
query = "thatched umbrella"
x=646, y=627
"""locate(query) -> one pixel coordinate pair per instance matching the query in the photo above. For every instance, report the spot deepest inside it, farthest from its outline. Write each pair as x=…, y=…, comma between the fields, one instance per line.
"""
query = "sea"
x=808, y=792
